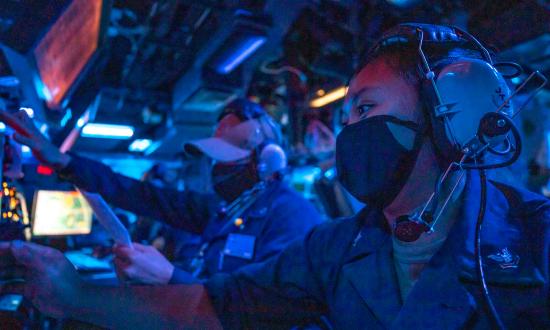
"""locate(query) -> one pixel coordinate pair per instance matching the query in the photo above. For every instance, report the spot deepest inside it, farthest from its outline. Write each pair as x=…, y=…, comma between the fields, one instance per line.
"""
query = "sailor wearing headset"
x=438, y=245
x=252, y=216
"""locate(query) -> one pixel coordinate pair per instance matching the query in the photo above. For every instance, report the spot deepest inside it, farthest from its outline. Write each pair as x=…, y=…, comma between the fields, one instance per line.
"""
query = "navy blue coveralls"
x=345, y=270
x=278, y=216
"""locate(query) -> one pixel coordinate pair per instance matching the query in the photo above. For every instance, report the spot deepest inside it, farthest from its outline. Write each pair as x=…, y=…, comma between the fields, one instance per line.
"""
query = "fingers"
x=12, y=274
x=131, y=253
x=131, y=273
x=23, y=125
x=120, y=263
x=120, y=268
x=123, y=252
x=32, y=255
x=116, y=249
x=23, y=116
x=24, y=119
x=18, y=121
x=140, y=247
x=126, y=270
x=24, y=140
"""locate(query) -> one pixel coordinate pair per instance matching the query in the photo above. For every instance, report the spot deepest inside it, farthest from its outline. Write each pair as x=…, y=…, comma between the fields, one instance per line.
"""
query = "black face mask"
x=231, y=180
x=371, y=164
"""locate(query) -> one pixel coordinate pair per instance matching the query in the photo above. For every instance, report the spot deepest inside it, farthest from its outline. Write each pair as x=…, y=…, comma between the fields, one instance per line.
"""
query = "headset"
x=457, y=94
x=267, y=159
x=271, y=158
x=469, y=113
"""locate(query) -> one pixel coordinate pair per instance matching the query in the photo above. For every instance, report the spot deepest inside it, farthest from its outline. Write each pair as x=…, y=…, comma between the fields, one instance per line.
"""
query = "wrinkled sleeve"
x=280, y=293
x=180, y=276
x=540, y=241
x=182, y=209
x=291, y=218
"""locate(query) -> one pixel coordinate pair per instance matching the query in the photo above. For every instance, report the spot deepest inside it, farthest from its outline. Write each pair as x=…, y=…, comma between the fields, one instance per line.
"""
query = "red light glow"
x=44, y=170
x=67, y=47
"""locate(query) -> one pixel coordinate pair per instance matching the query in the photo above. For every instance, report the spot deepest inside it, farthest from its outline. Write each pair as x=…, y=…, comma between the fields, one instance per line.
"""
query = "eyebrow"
x=361, y=91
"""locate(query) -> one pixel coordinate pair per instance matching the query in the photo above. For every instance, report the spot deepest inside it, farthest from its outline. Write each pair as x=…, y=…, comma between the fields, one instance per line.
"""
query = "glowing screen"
x=60, y=213
x=66, y=48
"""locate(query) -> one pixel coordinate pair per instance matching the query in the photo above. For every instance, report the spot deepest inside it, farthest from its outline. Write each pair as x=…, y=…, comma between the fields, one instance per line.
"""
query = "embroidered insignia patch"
x=505, y=259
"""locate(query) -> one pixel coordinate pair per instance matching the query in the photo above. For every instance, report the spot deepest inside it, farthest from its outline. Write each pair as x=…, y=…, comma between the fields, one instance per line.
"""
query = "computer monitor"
x=58, y=213
x=66, y=49
x=51, y=46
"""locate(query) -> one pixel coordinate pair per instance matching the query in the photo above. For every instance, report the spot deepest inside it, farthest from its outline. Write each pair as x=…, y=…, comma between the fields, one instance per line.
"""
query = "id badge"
x=240, y=246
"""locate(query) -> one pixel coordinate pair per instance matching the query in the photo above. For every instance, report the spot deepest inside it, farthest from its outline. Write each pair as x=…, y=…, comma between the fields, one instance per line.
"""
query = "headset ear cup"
x=272, y=159
x=445, y=150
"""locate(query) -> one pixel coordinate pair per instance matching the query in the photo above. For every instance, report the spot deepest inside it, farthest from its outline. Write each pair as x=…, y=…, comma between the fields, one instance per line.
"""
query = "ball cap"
x=235, y=138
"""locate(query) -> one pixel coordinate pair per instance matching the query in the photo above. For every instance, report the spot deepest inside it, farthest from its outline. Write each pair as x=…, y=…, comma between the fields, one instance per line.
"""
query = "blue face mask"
x=371, y=163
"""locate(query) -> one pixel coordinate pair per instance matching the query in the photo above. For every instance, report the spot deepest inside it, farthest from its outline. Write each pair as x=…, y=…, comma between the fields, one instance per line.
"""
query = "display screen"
x=66, y=48
x=10, y=302
x=58, y=213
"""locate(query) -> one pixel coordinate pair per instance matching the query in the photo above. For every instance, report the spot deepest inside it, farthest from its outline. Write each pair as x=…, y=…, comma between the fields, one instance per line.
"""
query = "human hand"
x=51, y=282
x=142, y=263
x=27, y=134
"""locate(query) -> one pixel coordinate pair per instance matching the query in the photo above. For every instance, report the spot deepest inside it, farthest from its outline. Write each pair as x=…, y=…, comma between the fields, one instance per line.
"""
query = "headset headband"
x=408, y=33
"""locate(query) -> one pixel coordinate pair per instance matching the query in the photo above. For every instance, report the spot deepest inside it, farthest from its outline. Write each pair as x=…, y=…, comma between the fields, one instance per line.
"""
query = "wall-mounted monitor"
x=63, y=52
x=60, y=41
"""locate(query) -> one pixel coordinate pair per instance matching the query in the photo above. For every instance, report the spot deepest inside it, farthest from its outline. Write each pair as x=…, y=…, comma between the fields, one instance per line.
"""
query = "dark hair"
x=404, y=57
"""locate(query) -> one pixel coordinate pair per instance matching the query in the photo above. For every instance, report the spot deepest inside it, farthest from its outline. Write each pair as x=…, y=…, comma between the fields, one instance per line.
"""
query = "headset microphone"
x=492, y=132
x=470, y=113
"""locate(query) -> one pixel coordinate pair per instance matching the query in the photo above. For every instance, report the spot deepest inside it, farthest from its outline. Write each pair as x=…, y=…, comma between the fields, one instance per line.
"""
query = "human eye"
x=363, y=109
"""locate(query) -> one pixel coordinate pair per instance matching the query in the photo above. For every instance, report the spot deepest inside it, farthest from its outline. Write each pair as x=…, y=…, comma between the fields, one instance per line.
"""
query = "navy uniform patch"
x=505, y=259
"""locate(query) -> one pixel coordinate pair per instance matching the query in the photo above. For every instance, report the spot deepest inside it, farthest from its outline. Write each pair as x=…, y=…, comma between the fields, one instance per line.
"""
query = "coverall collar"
x=439, y=297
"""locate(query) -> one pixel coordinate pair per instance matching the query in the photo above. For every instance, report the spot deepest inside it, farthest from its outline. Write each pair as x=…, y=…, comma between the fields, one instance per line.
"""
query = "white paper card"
x=108, y=218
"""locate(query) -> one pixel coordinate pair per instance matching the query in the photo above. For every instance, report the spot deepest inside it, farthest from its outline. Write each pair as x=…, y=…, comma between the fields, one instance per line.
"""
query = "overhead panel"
x=215, y=79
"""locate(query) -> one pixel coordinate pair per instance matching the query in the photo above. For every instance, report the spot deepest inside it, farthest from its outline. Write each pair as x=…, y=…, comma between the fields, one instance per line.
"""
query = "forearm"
x=146, y=307
x=119, y=190
x=186, y=210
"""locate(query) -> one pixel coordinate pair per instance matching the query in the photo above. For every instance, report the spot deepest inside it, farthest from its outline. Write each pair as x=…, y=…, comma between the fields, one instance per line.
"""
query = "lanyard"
x=233, y=211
